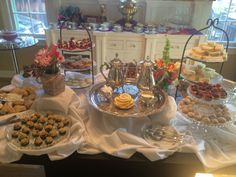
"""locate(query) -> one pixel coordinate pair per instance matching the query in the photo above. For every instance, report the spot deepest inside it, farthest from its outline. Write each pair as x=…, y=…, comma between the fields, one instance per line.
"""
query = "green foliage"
x=166, y=52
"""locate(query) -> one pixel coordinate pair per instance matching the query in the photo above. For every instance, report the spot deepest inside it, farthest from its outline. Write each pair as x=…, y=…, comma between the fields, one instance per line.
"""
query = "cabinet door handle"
x=133, y=45
x=114, y=45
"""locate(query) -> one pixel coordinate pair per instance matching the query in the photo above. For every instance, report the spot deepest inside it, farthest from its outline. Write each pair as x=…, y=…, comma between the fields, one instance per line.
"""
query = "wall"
x=149, y=11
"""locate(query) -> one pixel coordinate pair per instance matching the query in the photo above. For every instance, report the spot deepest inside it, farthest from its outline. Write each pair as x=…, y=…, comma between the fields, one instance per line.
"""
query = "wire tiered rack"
x=210, y=23
x=80, y=51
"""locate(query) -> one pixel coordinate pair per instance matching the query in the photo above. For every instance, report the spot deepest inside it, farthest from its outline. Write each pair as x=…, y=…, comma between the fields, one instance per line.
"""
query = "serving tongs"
x=10, y=120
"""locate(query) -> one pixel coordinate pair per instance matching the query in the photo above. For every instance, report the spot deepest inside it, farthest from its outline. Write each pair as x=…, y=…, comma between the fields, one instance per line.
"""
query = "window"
x=29, y=16
x=225, y=10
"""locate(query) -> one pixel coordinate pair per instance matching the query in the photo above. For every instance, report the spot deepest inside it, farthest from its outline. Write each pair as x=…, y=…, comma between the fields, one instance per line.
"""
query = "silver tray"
x=139, y=109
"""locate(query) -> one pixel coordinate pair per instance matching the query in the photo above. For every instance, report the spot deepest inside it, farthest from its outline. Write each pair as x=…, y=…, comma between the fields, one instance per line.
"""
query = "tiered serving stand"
x=205, y=108
x=80, y=73
x=210, y=23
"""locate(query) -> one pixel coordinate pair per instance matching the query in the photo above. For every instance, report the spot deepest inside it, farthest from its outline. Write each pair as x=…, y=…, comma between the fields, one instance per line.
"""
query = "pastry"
x=18, y=100
x=48, y=127
x=21, y=136
x=218, y=114
x=30, y=124
x=60, y=125
x=124, y=101
x=43, y=134
x=35, y=133
x=38, y=141
x=106, y=91
x=50, y=122
x=25, y=130
x=24, y=141
x=62, y=131
x=37, y=129
x=53, y=133
x=42, y=120
x=38, y=126
x=58, y=118
x=17, y=126
x=49, y=140
x=207, y=92
x=15, y=134
x=34, y=118
x=209, y=51
x=7, y=108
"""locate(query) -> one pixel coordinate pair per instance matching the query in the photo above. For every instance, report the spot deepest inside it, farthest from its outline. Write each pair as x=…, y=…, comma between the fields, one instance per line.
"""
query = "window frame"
x=29, y=13
x=232, y=44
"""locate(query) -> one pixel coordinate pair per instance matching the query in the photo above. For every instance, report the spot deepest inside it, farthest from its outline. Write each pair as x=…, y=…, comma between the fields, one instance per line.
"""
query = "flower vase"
x=53, y=84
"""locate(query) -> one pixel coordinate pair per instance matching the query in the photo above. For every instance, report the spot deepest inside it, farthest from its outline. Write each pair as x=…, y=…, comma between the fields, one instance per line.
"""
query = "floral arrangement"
x=165, y=71
x=70, y=13
x=47, y=60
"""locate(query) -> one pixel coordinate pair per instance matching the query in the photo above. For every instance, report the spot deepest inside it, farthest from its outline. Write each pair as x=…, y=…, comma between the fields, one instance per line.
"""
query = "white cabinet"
x=130, y=46
x=156, y=43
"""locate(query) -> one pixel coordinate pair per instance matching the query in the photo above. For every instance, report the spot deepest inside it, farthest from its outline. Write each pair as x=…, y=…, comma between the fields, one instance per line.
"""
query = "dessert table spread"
x=93, y=132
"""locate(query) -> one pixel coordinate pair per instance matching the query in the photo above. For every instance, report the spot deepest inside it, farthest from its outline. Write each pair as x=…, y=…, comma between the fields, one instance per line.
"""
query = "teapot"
x=115, y=76
x=146, y=80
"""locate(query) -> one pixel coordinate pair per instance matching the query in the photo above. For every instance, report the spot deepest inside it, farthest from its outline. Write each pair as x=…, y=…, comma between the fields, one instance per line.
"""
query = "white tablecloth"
x=66, y=103
x=93, y=132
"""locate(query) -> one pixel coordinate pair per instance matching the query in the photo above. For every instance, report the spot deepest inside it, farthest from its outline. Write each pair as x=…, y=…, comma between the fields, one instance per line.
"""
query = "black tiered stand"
x=210, y=23
x=80, y=51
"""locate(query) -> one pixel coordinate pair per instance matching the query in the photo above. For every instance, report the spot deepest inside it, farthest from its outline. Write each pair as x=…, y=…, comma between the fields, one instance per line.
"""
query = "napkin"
x=59, y=102
x=214, y=146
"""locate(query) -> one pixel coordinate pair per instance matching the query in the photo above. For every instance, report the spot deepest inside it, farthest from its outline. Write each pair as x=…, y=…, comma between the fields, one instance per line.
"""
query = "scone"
x=124, y=101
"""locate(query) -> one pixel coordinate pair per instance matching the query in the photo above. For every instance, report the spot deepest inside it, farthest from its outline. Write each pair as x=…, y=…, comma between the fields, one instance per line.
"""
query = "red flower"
x=159, y=63
x=170, y=67
x=158, y=74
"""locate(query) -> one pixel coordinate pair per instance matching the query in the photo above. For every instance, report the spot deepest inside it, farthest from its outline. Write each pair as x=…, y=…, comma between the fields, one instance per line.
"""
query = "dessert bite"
x=208, y=92
x=209, y=51
x=106, y=91
x=124, y=101
x=204, y=113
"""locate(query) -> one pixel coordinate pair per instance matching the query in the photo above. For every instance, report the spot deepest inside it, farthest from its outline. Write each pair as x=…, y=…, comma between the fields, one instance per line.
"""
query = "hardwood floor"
x=21, y=170
x=4, y=81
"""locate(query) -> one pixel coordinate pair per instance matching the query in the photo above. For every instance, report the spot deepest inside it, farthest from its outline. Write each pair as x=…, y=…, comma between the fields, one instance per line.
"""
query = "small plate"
x=150, y=32
x=214, y=80
x=205, y=110
x=103, y=29
x=117, y=31
x=76, y=80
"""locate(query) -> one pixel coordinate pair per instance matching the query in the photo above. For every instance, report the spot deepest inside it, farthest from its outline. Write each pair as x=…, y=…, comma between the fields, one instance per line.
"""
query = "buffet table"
x=93, y=133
